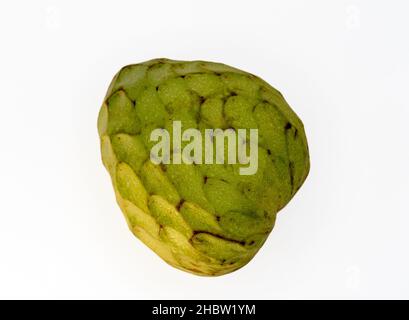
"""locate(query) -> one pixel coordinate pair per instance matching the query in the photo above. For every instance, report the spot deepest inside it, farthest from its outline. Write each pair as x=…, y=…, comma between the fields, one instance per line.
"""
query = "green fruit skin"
x=204, y=219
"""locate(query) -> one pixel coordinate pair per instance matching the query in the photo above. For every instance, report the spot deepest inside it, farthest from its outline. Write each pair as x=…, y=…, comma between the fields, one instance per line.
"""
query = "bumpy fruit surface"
x=206, y=219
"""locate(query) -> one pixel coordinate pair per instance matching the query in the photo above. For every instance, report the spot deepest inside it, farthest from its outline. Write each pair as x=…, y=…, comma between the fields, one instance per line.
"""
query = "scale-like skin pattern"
x=206, y=219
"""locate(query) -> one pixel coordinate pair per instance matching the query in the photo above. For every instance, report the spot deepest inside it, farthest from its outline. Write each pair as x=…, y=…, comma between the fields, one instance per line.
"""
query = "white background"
x=343, y=67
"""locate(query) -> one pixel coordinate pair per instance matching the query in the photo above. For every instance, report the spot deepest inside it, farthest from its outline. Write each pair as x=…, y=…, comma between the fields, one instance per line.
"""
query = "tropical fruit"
x=204, y=217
